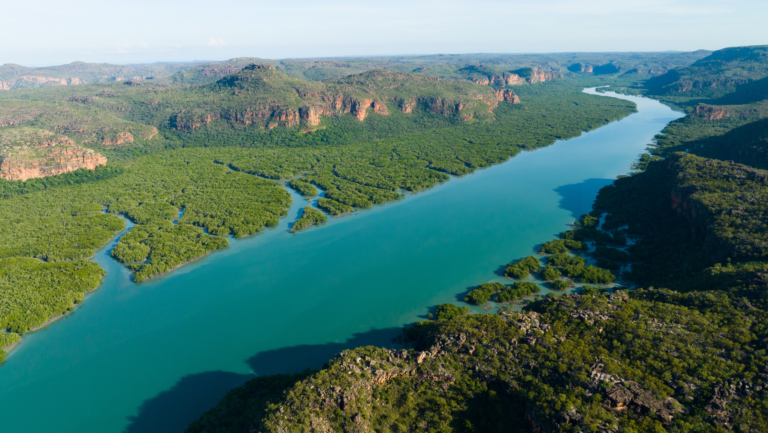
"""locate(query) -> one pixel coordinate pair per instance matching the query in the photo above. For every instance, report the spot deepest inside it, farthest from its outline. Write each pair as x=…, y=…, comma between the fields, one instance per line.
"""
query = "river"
x=152, y=357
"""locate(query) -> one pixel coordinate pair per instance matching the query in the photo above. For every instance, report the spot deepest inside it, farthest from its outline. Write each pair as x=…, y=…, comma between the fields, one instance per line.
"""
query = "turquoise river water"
x=152, y=357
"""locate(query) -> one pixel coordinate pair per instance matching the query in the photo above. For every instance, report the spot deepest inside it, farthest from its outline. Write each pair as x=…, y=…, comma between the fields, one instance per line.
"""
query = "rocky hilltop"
x=27, y=153
x=77, y=120
x=261, y=95
x=490, y=76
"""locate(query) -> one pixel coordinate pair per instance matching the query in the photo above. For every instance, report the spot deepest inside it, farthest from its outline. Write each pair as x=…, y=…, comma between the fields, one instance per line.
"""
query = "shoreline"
x=50, y=321
x=116, y=237
x=180, y=265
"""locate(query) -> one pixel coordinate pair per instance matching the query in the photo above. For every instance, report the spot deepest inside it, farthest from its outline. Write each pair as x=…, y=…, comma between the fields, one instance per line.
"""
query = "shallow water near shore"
x=152, y=357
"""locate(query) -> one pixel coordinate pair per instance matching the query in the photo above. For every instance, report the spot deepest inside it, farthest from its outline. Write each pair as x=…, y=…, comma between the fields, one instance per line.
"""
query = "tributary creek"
x=152, y=357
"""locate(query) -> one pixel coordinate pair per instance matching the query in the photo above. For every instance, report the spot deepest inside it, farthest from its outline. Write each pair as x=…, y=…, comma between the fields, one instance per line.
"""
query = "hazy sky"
x=48, y=32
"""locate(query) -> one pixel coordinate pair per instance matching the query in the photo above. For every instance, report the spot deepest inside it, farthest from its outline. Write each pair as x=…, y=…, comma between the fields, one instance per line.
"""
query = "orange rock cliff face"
x=710, y=113
x=27, y=153
x=507, y=95
x=336, y=100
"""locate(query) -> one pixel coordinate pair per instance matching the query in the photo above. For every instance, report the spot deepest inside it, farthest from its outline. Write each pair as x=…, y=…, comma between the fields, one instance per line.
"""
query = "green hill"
x=715, y=75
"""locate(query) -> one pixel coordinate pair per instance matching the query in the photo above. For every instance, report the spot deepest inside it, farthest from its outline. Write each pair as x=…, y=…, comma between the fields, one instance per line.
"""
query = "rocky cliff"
x=722, y=201
x=37, y=81
x=269, y=98
x=517, y=77
x=27, y=153
x=709, y=112
x=581, y=67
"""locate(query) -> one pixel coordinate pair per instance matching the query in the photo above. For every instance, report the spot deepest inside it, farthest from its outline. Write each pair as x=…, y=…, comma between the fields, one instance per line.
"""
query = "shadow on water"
x=577, y=198
x=174, y=409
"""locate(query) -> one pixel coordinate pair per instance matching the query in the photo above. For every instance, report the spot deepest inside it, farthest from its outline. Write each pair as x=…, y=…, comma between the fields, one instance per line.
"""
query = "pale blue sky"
x=47, y=32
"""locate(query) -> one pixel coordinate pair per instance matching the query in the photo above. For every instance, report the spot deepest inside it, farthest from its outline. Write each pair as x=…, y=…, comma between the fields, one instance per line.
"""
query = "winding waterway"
x=152, y=357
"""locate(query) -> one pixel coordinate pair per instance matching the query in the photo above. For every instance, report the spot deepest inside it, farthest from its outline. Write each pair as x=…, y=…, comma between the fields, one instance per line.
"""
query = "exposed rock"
x=581, y=67
x=27, y=153
x=518, y=77
x=630, y=395
x=380, y=108
x=121, y=138
x=407, y=106
x=507, y=95
x=40, y=81
x=351, y=95
x=709, y=112
x=311, y=115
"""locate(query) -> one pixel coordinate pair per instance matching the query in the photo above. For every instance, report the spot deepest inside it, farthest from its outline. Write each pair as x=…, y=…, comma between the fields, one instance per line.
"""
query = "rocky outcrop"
x=121, y=138
x=39, y=81
x=333, y=105
x=407, y=106
x=729, y=392
x=27, y=153
x=706, y=84
x=629, y=395
x=276, y=100
x=581, y=67
x=709, y=112
x=507, y=95
x=517, y=78
x=287, y=118
x=310, y=115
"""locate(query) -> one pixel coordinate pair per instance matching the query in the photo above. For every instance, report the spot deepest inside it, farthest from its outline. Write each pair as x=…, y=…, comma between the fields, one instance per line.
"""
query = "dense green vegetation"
x=610, y=253
x=310, y=216
x=33, y=291
x=482, y=294
x=333, y=207
x=304, y=188
x=549, y=273
x=163, y=246
x=449, y=311
x=517, y=291
x=561, y=246
x=559, y=285
x=522, y=268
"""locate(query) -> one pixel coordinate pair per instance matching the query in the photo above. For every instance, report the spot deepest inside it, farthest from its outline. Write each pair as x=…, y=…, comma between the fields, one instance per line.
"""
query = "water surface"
x=152, y=357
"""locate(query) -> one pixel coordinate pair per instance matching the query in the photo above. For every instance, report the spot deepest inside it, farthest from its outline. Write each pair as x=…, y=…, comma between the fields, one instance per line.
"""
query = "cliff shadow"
x=577, y=198
x=174, y=409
